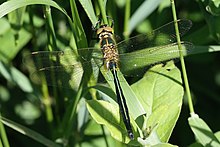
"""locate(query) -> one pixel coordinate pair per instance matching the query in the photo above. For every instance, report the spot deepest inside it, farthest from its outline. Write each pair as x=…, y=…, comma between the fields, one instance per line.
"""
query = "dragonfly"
x=128, y=56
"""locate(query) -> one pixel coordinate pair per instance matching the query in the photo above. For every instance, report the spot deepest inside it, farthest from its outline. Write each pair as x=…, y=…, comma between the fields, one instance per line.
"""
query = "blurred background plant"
x=49, y=26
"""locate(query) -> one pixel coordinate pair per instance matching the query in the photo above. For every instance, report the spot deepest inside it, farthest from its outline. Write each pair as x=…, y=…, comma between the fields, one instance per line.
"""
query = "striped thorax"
x=107, y=43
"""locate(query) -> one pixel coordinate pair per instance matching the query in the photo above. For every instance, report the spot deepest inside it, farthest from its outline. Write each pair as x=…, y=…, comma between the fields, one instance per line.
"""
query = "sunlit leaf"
x=202, y=132
x=160, y=92
x=107, y=114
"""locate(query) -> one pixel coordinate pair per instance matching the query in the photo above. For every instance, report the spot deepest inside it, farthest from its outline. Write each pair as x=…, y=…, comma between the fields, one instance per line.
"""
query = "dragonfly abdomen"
x=110, y=55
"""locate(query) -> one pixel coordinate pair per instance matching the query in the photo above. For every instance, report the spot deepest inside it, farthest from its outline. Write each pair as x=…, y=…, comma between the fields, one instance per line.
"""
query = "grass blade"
x=28, y=132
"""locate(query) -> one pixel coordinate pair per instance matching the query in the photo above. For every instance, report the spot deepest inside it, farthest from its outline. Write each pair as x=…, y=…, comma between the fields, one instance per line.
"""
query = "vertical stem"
x=69, y=125
x=51, y=46
x=182, y=59
x=50, y=29
x=105, y=137
x=103, y=12
x=3, y=136
x=127, y=16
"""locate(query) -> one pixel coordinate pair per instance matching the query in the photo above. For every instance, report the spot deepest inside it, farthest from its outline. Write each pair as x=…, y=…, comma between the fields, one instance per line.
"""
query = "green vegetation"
x=77, y=108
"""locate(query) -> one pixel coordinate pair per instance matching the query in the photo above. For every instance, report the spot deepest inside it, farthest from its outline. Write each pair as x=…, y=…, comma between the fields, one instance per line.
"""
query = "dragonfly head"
x=104, y=29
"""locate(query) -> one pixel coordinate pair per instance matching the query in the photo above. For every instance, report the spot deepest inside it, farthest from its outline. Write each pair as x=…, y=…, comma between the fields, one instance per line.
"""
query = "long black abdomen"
x=121, y=101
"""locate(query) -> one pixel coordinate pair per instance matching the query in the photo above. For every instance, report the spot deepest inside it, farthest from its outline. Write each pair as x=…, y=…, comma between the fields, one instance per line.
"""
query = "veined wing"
x=59, y=76
x=142, y=58
x=61, y=68
x=44, y=59
x=161, y=36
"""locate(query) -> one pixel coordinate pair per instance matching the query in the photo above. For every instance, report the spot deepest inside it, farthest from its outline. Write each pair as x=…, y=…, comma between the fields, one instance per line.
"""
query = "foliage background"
x=24, y=105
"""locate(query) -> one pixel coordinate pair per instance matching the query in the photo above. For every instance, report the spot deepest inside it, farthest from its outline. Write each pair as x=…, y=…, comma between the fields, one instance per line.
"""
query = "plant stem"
x=103, y=12
x=182, y=59
x=3, y=137
x=69, y=124
x=127, y=16
x=51, y=46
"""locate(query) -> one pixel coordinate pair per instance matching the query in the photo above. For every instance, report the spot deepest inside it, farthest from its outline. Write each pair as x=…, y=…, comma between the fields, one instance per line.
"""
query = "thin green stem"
x=103, y=12
x=1, y=145
x=50, y=29
x=69, y=125
x=51, y=46
x=126, y=20
x=47, y=102
x=182, y=59
x=3, y=136
x=105, y=137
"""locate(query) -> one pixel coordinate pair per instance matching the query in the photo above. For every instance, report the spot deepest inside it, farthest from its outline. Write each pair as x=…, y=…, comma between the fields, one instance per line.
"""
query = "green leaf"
x=11, y=43
x=17, y=17
x=89, y=9
x=134, y=106
x=202, y=132
x=27, y=111
x=164, y=145
x=14, y=75
x=145, y=9
x=213, y=7
x=28, y=132
x=217, y=134
x=108, y=114
x=160, y=92
x=12, y=5
x=153, y=141
x=77, y=28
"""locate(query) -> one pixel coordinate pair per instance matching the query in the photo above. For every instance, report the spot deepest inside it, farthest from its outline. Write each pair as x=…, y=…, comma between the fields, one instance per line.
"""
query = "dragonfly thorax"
x=107, y=44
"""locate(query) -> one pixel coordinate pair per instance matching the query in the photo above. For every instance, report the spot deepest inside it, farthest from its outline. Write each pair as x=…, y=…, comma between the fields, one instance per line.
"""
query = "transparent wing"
x=142, y=58
x=61, y=68
x=161, y=36
x=43, y=59
x=59, y=76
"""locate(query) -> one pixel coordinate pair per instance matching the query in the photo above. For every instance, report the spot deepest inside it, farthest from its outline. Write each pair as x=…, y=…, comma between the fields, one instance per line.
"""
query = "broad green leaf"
x=160, y=92
x=28, y=132
x=217, y=134
x=195, y=144
x=151, y=140
x=134, y=106
x=11, y=43
x=202, y=132
x=93, y=128
x=108, y=114
x=99, y=142
x=106, y=93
